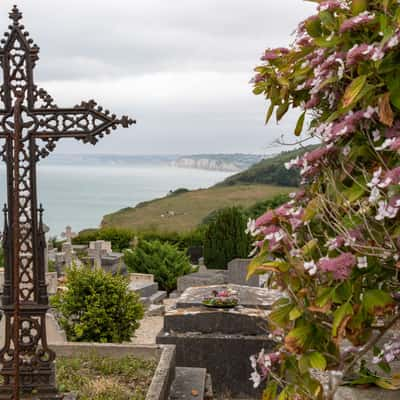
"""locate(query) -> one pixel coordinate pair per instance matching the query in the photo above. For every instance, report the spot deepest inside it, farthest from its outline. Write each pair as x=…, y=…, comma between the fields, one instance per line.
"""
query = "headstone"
x=60, y=263
x=202, y=267
x=237, y=273
x=210, y=277
x=145, y=278
x=211, y=338
x=97, y=250
x=68, y=253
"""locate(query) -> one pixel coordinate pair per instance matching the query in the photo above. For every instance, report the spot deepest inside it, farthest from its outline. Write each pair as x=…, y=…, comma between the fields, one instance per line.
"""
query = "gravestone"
x=202, y=278
x=221, y=340
x=68, y=253
x=237, y=273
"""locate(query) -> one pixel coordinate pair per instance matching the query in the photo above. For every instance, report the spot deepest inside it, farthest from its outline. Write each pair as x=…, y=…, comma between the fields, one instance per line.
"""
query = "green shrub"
x=1, y=257
x=120, y=238
x=97, y=307
x=182, y=240
x=226, y=239
x=165, y=261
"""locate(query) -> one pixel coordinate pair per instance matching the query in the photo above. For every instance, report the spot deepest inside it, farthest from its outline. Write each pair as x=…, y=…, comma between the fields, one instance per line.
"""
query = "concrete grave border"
x=165, y=354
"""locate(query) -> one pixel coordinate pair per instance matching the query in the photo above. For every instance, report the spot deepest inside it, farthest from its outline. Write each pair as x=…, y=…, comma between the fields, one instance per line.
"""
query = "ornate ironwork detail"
x=31, y=124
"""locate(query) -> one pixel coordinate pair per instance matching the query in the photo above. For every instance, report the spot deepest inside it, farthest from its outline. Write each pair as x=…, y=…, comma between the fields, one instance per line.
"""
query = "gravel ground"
x=150, y=327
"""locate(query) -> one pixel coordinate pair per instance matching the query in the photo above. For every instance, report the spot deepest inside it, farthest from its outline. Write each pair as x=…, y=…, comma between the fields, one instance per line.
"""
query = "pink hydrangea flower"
x=331, y=5
x=357, y=21
x=273, y=54
x=340, y=266
x=265, y=219
x=362, y=52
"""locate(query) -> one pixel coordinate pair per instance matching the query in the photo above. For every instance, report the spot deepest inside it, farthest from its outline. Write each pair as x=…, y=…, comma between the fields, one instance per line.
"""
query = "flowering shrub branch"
x=334, y=247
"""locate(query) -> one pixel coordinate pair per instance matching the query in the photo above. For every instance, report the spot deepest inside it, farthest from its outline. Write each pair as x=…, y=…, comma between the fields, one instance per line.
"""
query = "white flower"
x=256, y=379
x=375, y=195
x=376, y=134
x=310, y=267
x=251, y=228
x=387, y=143
x=253, y=361
x=362, y=262
x=291, y=163
x=346, y=151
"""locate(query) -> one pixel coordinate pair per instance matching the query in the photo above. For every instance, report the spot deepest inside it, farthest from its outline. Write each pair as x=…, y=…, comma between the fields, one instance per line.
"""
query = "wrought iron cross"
x=31, y=124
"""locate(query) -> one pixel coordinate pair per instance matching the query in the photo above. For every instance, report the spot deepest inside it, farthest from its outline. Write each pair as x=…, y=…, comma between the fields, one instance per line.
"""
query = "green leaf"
x=311, y=210
x=324, y=296
x=353, y=90
x=376, y=299
x=270, y=391
x=309, y=247
x=354, y=193
x=313, y=27
x=269, y=113
x=392, y=383
x=255, y=266
x=282, y=110
x=300, y=124
x=295, y=314
x=280, y=316
x=358, y=6
x=339, y=315
x=317, y=361
x=258, y=90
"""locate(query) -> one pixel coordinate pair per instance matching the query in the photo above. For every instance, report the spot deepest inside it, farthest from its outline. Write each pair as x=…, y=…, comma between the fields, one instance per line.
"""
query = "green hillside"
x=270, y=171
x=185, y=211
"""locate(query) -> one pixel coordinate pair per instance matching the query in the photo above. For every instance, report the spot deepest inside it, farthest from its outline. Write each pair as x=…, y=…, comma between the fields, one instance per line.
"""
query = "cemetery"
x=311, y=314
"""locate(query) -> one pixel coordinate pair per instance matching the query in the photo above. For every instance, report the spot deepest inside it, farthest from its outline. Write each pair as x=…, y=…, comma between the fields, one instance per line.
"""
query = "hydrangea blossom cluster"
x=334, y=247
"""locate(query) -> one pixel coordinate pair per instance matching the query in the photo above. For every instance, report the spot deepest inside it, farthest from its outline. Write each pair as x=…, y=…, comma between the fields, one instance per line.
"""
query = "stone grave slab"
x=212, y=338
x=204, y=320
x=211, y=277
x=249, y=297
x=144, y=289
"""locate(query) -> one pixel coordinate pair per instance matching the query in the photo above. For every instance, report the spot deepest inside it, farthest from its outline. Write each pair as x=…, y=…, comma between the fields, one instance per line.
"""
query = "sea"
x=78, y=190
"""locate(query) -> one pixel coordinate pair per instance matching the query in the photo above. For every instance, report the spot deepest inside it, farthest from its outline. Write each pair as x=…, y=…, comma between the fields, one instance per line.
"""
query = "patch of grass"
x=99, y=378
x=184, y=212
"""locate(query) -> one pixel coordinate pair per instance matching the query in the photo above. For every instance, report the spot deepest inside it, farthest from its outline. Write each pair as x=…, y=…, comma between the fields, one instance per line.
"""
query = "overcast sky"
x=180, y=67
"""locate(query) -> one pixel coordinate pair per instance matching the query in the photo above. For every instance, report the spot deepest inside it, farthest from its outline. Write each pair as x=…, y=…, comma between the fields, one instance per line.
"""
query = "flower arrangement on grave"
x=224, y=298
x=334, y=247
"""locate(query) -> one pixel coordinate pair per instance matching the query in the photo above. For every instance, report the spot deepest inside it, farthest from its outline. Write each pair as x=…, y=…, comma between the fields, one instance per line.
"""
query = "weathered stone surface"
x=144, y=289
x=211, y=277
x=142, y=278
x=226, y=358
x=249, y=297
x=155, y=310
x=239, y=320
x=189, y=384
x=346, y=393
x=237, y=273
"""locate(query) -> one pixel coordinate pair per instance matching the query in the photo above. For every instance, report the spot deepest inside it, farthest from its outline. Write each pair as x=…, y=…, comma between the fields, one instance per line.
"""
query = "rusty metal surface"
x=30, y=125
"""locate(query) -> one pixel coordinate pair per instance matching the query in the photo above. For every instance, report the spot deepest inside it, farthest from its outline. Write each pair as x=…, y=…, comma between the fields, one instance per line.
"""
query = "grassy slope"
x=189, y=208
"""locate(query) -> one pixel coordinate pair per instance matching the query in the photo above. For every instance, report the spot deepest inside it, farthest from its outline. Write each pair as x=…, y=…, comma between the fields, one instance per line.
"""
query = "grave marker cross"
x=31, y=124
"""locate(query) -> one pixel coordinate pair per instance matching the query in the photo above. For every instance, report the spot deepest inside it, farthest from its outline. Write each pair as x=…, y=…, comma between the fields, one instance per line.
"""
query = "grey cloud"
x=181, y=67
